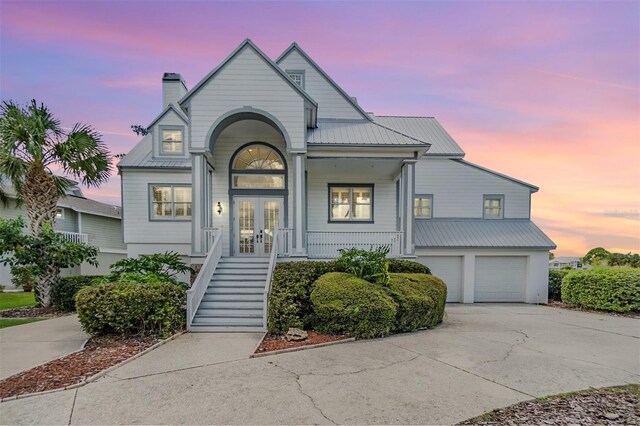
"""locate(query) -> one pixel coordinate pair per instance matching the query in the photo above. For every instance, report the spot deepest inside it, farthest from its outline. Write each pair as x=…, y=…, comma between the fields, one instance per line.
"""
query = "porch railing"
x=284, y=242
x=208, y=237
x=199, y=286
x=74, y=237
x=273, y=258
x=325, y=245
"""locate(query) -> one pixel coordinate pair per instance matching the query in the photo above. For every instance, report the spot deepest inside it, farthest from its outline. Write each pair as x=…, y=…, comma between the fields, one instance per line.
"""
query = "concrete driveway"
x=483, y=357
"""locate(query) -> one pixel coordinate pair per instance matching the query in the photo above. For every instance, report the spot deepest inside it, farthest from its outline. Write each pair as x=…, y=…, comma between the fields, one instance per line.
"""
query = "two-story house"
x=264, y=161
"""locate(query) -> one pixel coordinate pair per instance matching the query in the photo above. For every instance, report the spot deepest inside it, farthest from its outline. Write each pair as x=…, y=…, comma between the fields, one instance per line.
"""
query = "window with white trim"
x=172, y=143
x=171, y=202
x=351, y=203
x=423, y=206
x=298, y=78
x=493, y=206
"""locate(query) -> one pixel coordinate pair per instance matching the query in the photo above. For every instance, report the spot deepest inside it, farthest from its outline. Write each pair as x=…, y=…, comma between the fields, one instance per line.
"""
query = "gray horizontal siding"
x=103, y=232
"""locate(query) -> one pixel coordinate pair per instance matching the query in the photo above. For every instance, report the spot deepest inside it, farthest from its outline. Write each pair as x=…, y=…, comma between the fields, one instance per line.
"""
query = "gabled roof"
x=173, y=108
x=247, y=43
x=426, y=129
x=349, y=99
x=493, y=172
x=141, y=157
x=358, y=133
x=480, y=233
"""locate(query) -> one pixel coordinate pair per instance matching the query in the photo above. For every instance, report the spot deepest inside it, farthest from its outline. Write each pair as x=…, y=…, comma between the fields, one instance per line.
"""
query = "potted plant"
x=24, y=277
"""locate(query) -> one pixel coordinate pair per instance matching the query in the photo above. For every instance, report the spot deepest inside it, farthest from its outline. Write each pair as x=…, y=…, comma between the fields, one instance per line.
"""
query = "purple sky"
x=548, y=92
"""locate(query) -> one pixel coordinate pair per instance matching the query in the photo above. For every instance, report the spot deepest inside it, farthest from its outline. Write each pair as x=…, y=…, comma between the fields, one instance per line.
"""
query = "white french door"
x=255, y=221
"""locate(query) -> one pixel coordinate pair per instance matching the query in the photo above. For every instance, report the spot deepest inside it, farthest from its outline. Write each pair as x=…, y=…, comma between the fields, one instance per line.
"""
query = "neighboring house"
x=79, y=219
x=259, y=144
x=567, y=262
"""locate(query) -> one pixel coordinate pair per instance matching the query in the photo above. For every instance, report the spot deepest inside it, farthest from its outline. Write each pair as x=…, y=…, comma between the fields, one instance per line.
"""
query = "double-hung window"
x=493, y=207
x=423, y=206
x=172, y=143
x=350, y=203
x=171, y=202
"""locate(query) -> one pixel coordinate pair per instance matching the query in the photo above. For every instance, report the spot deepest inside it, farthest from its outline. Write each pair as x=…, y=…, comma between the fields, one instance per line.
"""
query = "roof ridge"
x=400, y=133
x=404, y=116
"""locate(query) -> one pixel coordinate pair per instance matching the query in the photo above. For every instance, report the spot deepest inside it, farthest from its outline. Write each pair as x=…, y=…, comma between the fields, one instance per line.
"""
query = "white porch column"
x=408, y=191
x=299, y=167
x=199, y=203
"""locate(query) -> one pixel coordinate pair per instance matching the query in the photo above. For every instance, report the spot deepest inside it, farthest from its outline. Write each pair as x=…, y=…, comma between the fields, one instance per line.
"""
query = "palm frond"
x=62, y=184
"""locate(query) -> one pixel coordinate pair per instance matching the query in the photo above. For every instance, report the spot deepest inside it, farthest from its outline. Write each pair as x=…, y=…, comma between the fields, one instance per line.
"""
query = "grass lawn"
x=10, y=322
x=17, y=299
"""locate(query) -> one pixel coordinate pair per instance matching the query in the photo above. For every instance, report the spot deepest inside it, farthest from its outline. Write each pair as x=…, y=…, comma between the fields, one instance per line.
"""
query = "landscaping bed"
x=272, y=343
x=99, y=354
x=556, y=304
x=608, y=406
x=33, y=312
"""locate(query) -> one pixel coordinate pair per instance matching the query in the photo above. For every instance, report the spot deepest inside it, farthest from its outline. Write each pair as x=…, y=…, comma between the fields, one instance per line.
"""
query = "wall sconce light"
x=219, y=208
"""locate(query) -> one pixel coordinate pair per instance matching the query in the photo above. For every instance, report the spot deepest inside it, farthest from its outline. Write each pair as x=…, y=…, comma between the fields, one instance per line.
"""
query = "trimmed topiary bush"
x=555, y=283
x=346, y=304
x=131, y=308
x=290, y=298
x=611, y=289
x=421, y=299
x=63, y=295
x=407, y=266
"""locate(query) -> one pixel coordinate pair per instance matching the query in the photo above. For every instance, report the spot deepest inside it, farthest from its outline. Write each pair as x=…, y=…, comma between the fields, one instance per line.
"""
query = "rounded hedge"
x=346, y=304
x=420, y=298
x=611, y=289
x=63, y=295
x=555, y=283
x=131, y=308
x=407, y=266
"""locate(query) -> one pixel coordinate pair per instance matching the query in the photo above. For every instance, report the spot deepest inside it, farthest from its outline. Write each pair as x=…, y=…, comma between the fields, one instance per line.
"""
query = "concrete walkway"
x=25, y=346
x=483, y=357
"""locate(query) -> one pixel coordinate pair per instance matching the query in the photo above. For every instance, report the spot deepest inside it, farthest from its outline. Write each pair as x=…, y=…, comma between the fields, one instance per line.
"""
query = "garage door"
x=449, y=270
x=500, y=278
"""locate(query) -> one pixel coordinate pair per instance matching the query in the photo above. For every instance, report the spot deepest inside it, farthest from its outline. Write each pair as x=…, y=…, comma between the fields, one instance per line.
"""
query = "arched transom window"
x=258, y=166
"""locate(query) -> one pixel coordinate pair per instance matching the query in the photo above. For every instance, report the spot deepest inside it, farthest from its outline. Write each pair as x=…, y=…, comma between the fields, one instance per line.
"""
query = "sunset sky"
x=547, y=92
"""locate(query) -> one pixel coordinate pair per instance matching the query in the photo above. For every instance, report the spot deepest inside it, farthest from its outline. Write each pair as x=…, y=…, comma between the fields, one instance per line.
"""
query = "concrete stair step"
x=236, y=283
x=224, y=313
x=259, y=290
x=202, y=328
x=223, y=276
x=233, y=297
x=250, y=321
x=230, y=304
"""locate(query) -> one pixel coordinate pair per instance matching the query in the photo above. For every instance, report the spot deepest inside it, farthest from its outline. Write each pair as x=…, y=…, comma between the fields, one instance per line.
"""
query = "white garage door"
x=449, y=270
x=500, y=278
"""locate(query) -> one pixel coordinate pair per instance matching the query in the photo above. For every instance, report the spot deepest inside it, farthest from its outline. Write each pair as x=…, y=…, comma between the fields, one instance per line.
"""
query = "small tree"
x=596, y=256
x=163, y=267
x=45, y=254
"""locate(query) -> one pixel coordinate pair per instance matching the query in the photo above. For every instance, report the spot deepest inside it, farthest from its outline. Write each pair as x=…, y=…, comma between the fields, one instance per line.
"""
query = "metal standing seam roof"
x=358, y=132
x=141, y=156
x=424, y=128
x=480, y=233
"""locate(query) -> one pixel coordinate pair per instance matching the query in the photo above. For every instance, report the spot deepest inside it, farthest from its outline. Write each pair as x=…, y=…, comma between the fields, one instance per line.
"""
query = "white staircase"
x=233, y=300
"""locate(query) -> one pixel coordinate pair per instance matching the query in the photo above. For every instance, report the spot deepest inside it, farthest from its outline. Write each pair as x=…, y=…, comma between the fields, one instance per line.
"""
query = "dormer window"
x=172, y=143
x=493, y=206
x=297, y=77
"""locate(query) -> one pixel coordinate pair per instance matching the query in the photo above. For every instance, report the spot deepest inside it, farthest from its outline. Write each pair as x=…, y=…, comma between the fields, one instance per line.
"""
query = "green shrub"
x=399, y=266
x=132, y=308
x=371, y=265
x=612, y=289
x=555, y=283
x=290, y=297
x=421, y=299
x=346, y=304
x=24, y=277
x=163, y=267
x=63, y=295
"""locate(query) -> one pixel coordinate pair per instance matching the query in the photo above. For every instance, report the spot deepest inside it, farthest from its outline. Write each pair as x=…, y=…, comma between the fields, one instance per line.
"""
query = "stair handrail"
x=273, y=257
x=200, y=284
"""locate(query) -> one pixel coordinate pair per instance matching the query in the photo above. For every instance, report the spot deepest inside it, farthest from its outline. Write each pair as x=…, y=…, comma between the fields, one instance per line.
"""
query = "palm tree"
x=32, y=143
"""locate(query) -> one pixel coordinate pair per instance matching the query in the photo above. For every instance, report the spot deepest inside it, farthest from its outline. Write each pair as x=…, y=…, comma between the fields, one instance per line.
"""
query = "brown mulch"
x=32, y=312
x=99, y=354
x=275, y=343
x=606, y=406
x=558, y=304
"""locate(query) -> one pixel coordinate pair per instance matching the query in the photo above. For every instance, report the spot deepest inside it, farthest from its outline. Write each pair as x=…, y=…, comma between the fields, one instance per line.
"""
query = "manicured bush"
x=420, y=298
x=371, y=265
x=407, y=266
x=290, y=298
x=132, y=308
x=346, y=304
x=610, y=289
x=555, y=283
x=63, y=295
